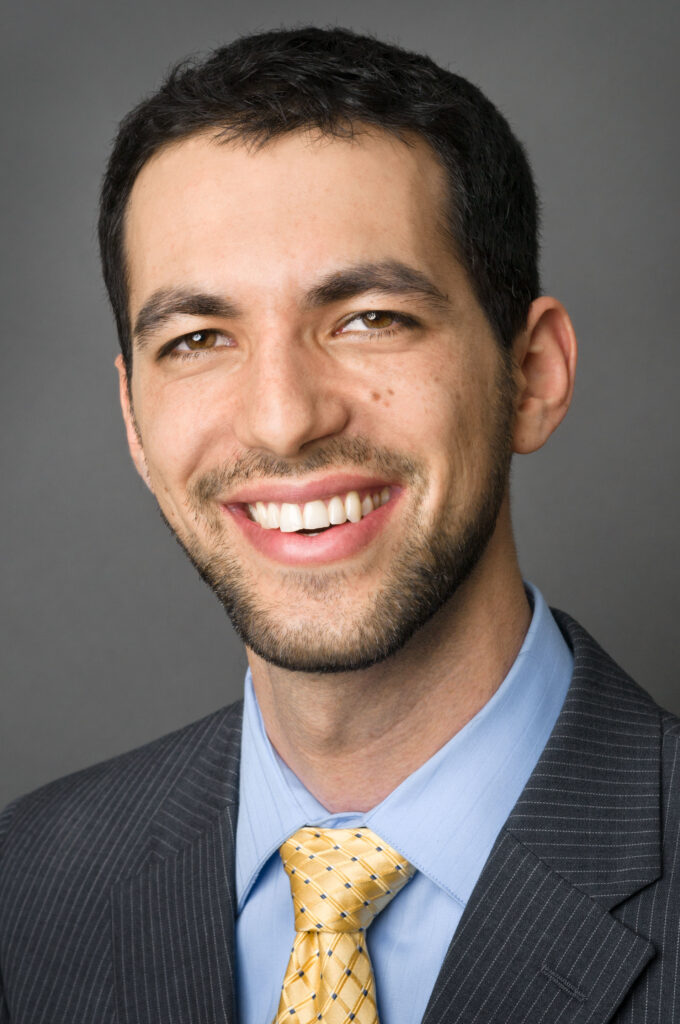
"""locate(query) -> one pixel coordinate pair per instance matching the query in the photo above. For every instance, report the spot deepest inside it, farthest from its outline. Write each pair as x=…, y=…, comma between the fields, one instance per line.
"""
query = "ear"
x=133, y=437
x=545, y=354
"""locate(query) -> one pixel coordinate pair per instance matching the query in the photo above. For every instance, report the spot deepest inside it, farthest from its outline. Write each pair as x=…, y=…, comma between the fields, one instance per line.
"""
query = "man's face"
x=308, y=351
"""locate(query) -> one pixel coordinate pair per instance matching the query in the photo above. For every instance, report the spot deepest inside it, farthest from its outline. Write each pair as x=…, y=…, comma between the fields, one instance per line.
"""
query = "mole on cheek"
x=375, y=395
x=390, y=391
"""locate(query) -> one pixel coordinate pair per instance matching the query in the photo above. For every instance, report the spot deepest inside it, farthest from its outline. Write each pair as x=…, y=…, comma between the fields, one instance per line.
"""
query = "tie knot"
x=340, y=878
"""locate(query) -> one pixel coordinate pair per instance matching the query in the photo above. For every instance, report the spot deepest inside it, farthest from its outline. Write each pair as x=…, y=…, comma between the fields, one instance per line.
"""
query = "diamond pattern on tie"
x=340, y=880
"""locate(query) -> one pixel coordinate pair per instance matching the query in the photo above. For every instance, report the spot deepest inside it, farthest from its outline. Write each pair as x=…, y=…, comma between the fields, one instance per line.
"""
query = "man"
x=438, y=802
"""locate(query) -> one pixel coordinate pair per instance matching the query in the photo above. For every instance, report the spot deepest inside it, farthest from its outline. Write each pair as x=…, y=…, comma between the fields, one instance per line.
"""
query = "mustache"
x=338, y=453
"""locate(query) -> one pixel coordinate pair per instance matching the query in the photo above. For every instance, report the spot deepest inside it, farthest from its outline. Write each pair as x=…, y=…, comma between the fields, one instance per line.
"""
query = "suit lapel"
x=539, y=939
x=173, y=921
x=532, y=947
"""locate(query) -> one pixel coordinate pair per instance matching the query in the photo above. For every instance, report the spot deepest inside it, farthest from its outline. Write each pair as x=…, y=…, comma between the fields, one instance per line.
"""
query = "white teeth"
x=336, y=511
x=353, y=507
x=291, y=518
x=261, y=514
x=273, y=516
x=315, y=515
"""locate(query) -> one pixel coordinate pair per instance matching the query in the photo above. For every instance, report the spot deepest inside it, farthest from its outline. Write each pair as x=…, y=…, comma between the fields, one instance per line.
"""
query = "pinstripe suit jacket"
x=117, y=886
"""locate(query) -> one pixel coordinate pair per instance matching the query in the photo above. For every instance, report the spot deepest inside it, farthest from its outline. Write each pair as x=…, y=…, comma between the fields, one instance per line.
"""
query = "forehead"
x=207, y=213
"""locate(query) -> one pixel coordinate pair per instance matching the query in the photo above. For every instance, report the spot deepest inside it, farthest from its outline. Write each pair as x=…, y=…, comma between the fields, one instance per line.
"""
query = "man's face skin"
x=283, y=393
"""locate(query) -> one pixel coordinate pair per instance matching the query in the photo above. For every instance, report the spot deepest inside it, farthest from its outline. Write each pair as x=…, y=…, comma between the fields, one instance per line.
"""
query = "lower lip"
x=331, y=545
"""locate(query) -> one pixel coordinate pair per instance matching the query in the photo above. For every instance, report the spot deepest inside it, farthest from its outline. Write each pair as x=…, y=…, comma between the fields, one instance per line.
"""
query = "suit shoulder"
x=596, y=671
x=116, y=795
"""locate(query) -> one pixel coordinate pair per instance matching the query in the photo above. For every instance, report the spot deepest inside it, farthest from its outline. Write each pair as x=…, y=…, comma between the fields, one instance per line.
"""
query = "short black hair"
x=262, y=86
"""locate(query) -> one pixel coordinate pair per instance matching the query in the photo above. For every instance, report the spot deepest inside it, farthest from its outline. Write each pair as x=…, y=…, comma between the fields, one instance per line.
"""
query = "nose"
x=290, y=398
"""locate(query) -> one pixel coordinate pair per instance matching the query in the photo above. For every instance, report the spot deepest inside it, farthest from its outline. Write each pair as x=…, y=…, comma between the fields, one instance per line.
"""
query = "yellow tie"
x=340, y=878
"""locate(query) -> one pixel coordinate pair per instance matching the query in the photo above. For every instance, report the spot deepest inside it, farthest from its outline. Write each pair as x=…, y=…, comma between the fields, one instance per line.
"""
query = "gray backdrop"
x=108, y=637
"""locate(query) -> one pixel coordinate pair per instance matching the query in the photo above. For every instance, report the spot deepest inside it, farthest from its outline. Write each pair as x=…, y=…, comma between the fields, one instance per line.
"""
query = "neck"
x=352, y=738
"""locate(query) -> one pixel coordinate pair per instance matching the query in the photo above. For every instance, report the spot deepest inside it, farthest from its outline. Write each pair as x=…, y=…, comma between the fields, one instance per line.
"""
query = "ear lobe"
x=546, y=353
x=133, y=439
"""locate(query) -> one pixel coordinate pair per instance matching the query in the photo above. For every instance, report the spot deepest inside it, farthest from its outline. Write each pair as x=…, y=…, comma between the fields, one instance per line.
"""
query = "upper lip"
x=298, y=493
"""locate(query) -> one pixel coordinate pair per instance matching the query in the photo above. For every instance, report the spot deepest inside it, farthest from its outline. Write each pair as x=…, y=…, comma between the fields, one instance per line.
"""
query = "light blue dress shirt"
x=444, y=818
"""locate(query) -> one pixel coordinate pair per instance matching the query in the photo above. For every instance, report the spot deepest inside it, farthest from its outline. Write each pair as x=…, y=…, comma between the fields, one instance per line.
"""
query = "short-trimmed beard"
x=427, y=572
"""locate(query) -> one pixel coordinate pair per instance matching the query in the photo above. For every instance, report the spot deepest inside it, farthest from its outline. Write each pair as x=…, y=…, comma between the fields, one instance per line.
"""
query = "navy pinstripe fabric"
x=102, y=865
x=117, y=884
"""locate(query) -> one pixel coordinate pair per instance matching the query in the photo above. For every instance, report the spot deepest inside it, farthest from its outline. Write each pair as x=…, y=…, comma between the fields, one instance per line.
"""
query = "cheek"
x=181, y=426
x=426, y=408
x=447, y=416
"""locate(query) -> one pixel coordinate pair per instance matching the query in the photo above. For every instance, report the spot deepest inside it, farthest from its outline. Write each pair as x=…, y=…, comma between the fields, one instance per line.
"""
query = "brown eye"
x=377, y=322
x=200, y=341
x=378, y=318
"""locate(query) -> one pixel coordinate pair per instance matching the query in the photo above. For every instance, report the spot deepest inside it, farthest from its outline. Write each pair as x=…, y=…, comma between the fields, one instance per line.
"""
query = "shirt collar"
x=445, y=817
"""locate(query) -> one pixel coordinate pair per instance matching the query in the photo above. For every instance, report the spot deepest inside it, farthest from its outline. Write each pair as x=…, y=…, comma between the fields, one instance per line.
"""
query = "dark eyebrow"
x=389, y=277
x=167, y=303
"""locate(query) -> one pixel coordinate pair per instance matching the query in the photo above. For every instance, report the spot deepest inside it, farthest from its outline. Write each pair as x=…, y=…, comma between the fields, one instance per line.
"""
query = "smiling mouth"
x=313, y=517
